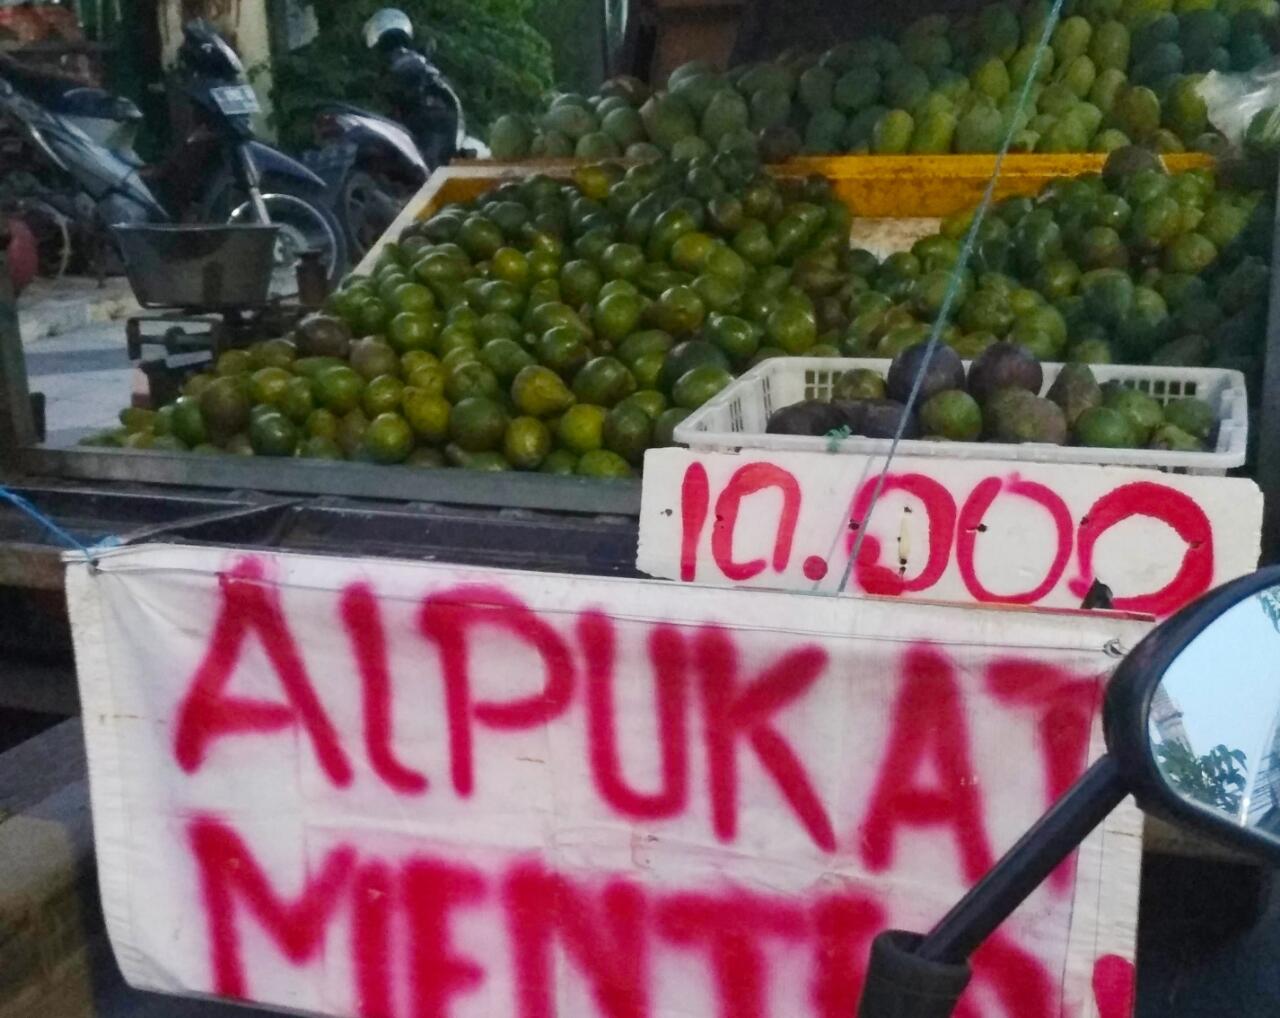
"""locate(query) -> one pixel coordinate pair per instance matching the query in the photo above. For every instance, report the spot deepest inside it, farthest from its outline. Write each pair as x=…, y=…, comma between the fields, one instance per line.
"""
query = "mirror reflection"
x=1215, y=718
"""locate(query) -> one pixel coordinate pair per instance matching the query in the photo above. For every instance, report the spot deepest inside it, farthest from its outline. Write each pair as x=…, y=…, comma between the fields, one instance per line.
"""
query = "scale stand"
x=168, y=345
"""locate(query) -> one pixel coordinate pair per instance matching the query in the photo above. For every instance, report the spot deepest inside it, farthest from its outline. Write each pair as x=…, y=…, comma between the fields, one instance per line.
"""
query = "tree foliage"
x=1270, y=600
x=1215, y=779
x=490, y=52
x=573, y=29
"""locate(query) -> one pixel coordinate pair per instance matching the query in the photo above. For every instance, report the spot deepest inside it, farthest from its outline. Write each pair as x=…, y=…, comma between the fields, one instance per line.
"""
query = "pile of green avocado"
x=998, y=400
x=548, y=325
x=1132, y=266
x=567, y=325
x=1118, y=72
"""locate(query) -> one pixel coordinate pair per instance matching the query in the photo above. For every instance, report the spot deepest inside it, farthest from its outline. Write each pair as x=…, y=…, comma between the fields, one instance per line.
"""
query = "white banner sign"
x=386, y=789
x=977, y=532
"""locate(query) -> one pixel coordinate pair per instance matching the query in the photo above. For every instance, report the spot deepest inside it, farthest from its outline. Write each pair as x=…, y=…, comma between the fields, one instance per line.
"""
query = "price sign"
x=953, y=530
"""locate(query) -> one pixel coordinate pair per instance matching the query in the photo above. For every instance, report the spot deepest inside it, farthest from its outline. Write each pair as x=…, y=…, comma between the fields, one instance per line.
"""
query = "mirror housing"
x=1128, y=712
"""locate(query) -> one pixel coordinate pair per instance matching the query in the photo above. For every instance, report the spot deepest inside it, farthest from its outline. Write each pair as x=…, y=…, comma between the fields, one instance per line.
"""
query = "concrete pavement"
x=55, y=307
x=86, y=379
x=73, y=335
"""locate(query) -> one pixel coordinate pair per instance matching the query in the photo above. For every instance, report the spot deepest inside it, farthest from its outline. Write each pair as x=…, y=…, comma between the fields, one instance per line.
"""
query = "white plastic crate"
x=736, y=417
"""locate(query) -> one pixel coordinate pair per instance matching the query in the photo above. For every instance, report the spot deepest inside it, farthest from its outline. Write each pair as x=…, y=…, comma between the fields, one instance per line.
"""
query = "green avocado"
x=1144, y=413
x=1105, y=428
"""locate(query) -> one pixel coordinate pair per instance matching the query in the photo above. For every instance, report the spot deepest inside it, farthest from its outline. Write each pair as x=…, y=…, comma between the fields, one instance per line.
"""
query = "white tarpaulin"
x=390, y=789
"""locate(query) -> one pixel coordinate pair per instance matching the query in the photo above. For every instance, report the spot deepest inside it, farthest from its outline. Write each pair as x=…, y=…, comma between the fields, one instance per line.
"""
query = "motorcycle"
x=375, y=164
x=220, y=174
x=1195, y=743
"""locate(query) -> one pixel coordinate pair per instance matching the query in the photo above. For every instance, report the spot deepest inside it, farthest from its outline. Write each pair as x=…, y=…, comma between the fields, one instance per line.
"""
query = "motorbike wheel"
x=306, y=223
x=367, y=206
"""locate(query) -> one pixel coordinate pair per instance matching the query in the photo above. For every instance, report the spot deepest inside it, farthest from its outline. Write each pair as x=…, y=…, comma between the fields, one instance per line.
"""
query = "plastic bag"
x=1233, y=100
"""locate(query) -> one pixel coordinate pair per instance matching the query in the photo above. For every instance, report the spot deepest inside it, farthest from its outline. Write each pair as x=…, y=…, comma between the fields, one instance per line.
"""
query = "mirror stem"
x=1025, y=866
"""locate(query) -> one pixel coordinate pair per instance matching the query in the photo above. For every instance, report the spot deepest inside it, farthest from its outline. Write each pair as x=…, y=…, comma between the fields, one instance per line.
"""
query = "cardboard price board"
x=952, y=530
x=389, y=789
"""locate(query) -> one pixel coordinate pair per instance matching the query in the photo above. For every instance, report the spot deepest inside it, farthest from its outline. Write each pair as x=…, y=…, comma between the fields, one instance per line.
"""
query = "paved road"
x=86, y=379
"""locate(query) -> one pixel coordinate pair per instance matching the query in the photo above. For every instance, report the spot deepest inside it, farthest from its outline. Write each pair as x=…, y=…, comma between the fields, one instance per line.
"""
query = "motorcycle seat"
x=61, y=94
x=41, y=86
x=95, y=102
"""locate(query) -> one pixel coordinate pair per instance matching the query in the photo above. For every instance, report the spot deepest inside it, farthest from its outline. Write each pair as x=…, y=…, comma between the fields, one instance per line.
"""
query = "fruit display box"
x=892, y=188
x=737, y=417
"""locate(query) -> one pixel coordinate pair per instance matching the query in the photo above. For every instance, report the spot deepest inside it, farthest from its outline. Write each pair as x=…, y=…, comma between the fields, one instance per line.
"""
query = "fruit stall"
x=478, y=363
x=608, y=426
x=588, y=445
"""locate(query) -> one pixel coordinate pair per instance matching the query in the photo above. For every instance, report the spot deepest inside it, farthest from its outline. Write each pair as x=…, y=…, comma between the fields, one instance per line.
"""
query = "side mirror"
x=1192, y=722
x=1193, y=717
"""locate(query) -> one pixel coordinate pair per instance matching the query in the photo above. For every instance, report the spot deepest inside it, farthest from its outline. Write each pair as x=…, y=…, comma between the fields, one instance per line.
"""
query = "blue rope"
x=953, y=287
x=49, y=524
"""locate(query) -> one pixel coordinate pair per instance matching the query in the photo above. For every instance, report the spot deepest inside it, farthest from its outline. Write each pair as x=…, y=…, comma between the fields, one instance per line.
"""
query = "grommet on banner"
x=53, y=527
